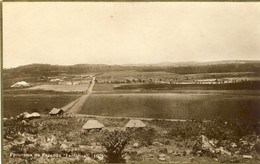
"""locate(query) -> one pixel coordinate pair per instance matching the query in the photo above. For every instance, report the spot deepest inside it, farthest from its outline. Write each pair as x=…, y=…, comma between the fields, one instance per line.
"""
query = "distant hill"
x=194, y=63
x=179, y=67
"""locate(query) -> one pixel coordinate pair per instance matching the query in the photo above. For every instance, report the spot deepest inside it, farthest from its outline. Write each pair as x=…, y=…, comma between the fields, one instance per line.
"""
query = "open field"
x=206, y=105
x=62, y=88
x=165, y=76
x=16, y=103
x=249, y=85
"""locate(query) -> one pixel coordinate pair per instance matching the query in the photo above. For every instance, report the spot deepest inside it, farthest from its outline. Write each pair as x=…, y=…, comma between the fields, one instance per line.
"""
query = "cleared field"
x=226, y=105
x=62, y=88
x=249, y=85
x=14, y=104
x=103, y=87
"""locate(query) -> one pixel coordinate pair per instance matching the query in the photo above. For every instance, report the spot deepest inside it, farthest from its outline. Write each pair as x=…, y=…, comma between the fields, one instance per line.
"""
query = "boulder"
x=162, y=157
x=157, y=143
x=247, y=156
x=203, y=145
x=221, y=151
x=233, y=145
x=63, y=146
x=136, y=145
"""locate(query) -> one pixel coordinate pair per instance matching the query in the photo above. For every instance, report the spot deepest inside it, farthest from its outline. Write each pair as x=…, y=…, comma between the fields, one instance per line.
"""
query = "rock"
x=150, y=156
x=24, y=122
x=213, y=141
x=169, y=151
x=63, y=146
x=52, y=139
x=19, y=143
x=221, y=150
x=136, y=145
x=99, y=157
x=202, y=144
x=162, y=157
x=157, y=143
x=188, y=152
x=247, y=156
x=89, y=160
x=46, y=146
x=233, y=145
x=176, y=153
x=83, y=147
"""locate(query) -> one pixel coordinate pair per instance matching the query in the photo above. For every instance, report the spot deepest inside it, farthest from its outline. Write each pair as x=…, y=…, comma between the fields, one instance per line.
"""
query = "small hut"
x=93, y=124
x=56, y=111
x=135, y=124
x=21, y=84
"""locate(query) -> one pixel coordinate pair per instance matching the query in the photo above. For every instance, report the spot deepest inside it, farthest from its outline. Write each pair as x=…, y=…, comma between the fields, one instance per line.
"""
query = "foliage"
x=115, y=143
x=13, y=126
x=185, y=130
x=145, y=136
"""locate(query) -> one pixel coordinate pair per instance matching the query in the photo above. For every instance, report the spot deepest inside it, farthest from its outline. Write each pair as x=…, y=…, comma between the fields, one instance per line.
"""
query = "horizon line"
x=136, y=64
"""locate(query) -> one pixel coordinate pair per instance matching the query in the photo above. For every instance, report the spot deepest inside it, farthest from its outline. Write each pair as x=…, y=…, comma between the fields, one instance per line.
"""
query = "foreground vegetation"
x=62, y=139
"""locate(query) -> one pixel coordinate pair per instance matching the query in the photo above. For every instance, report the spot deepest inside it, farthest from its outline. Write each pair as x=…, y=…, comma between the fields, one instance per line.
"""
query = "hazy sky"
x=122, y=33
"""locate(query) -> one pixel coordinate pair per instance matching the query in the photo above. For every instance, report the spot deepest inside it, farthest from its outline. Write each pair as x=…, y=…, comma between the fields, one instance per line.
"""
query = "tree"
x=115, y=143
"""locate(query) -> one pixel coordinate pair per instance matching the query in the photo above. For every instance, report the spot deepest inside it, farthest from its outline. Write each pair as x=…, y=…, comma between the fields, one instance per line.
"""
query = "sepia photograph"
x=130, y=82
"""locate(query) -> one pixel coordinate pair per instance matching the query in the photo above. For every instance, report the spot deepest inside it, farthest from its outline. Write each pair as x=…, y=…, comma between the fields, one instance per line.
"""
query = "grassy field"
x=122, y=75
x=62, y=88
x=249, y=85
x=103, y=87
x=16, y=103
x=205, y=105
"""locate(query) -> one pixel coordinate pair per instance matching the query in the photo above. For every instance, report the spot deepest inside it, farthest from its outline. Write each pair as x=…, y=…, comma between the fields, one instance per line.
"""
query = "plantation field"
x=249, y=85
x=61, y=88
x=16, y=103
x=194, y=105
x=103, y=88
x=122, y=75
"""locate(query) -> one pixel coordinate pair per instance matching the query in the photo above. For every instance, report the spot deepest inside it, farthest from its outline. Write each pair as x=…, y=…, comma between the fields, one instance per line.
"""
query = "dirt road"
x=76, y=106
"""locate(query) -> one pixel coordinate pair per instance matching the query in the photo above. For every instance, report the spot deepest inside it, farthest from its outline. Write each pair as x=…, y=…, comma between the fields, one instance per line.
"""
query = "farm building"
x=20, y=84
x=135, y=124
x=56, y=111
x=92, y=124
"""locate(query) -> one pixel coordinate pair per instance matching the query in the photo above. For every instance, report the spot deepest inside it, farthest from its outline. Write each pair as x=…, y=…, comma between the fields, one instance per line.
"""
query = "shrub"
x=115, y=143
x=145, y=136
x=15, y=125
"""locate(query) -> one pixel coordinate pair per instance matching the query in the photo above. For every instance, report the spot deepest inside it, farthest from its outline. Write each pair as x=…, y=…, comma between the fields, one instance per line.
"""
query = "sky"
x=68, y=33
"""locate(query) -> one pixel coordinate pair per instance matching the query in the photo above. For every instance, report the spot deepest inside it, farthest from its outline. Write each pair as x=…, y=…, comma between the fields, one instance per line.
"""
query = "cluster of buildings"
x=169, y=81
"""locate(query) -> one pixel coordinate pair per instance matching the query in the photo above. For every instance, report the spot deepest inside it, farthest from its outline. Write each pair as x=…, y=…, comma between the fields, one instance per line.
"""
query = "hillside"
x=181, y=68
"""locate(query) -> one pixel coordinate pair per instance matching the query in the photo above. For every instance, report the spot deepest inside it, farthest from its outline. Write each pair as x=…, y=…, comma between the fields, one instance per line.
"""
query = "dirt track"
x=76, y=106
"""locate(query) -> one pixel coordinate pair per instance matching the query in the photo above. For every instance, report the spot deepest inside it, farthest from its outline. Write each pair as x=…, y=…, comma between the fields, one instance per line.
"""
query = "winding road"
x=76, y=106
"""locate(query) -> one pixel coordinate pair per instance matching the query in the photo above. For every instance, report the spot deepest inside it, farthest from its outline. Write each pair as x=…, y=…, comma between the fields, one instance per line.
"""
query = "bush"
x=115, y=143
x=15, y=125
x=145, y=136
